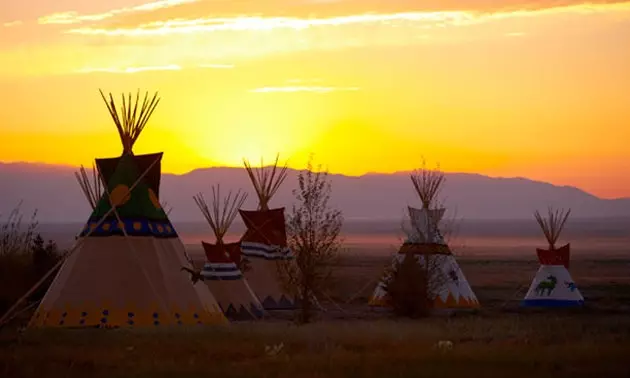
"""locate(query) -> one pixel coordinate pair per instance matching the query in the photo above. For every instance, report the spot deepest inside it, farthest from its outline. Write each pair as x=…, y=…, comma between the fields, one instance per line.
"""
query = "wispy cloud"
x=131, y=70
x=142, y=37
x=270, y=23
x=425, y=19
x=73, y=17
x=12, y=24
x=290, y=89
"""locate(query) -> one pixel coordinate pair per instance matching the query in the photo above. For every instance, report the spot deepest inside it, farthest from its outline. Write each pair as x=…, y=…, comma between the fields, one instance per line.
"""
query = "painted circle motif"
x=137, y=226
x=169, y=229
x=154, y=199
x=120, y=195
x=121, y=225
x=106, y=227
x=160, y=228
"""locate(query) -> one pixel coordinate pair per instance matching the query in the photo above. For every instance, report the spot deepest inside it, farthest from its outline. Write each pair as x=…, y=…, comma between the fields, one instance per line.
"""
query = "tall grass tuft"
x=24, y=257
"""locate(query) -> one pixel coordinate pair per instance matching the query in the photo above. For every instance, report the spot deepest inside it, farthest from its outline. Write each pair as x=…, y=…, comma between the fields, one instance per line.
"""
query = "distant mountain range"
x=54, y=191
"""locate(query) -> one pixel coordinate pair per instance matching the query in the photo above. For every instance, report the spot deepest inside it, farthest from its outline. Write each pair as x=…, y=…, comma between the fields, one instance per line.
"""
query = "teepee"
x=553, y=286
x=223, y=277
x=265, y=241
x=447, y=285
x=125, y=269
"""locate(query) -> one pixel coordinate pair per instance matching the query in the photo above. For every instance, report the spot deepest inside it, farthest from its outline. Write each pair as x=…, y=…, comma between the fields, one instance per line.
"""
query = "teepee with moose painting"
x=553, y=286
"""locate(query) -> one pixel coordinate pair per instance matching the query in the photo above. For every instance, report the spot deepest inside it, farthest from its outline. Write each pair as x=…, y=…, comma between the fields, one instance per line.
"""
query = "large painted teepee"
x=125, y=270
x=447, y=284
x=552, y=285
x=223, y=277
x=265, y=241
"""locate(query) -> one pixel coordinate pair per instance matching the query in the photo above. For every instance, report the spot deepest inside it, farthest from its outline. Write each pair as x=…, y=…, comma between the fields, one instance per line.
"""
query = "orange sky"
x=532, y=88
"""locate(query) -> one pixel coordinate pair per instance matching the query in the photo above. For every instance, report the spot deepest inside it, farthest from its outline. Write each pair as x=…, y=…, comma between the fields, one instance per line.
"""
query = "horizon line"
x=373, y=173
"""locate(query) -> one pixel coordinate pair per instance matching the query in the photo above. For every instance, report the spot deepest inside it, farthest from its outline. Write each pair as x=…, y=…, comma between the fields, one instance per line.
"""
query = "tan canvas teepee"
x=223, y=277
x=265, y=241
x=125, y=269
x=447, y=284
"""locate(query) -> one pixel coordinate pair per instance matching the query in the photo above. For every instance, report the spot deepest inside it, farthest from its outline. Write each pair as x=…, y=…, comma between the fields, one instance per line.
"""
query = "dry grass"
x=498, y=341
x=513, y=344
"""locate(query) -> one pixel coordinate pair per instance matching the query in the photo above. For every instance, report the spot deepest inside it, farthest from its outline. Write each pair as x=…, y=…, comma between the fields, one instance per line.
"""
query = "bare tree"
x=313, y=231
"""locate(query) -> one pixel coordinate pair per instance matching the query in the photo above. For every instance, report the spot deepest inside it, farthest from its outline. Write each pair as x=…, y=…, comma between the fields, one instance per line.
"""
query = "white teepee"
x=552, y=285
x=447, y=282
x=223, y=277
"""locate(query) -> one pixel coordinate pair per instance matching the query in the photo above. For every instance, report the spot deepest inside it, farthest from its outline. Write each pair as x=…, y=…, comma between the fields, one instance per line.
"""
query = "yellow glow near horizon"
x=533, y=89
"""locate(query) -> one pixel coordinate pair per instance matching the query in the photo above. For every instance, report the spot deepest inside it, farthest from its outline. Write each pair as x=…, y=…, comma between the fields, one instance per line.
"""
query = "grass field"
x=352, y=340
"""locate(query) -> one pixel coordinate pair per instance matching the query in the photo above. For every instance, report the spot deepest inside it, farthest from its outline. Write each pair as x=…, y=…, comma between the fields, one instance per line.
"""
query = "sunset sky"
x=534, y=88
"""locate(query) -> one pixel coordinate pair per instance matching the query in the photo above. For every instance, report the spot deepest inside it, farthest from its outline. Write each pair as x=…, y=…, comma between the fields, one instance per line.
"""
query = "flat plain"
x=348, y=338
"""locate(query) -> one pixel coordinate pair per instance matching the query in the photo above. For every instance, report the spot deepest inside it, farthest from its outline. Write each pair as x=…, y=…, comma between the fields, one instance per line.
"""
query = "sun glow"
x=365, y=85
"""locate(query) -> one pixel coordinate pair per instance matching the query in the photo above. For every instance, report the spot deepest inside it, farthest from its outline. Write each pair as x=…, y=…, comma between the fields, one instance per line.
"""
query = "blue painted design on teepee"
x=551, y=303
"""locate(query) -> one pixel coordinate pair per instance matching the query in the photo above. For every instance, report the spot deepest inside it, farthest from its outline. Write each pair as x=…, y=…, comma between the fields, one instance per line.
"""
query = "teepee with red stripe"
x=265, y=241
x=221, y=271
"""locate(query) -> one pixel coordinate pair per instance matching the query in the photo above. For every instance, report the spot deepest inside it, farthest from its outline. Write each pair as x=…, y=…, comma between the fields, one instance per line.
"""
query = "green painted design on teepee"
x=139, y=204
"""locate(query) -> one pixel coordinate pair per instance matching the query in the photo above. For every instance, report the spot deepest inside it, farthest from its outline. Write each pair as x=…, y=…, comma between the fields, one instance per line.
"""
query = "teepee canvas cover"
x=126, y=269
x=221, y=273
x=227, y=283
x=450, y=287
x=552, y=285
x=265, y=241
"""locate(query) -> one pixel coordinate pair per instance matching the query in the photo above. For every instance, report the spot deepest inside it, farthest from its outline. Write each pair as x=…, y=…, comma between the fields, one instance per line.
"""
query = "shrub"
x=24, y=258
x=408, y=288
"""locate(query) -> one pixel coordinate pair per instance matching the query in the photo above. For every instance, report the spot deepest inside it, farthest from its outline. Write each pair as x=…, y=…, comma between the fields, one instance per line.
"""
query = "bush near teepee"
x=409, y=288
x=44, y=256
x=24, y=258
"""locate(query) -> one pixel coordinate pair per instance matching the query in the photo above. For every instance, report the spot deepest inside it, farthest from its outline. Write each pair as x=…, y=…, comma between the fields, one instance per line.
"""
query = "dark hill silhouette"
x=54, y=192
